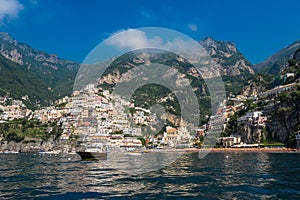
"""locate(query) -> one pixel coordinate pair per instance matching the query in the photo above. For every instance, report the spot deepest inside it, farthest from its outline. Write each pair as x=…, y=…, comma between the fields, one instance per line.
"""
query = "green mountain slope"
x=42, y=76
x=278, y=61
x=17, y=82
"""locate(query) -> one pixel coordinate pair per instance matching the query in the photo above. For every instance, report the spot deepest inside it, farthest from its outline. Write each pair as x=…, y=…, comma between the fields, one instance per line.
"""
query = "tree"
x=292, y=62
x=231, y=126
x=13, y=136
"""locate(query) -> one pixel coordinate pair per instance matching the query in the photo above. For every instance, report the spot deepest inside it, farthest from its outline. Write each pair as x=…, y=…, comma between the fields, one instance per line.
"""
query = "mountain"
x=124, y=69
x=232, y=62
x=28, y=70
x=45, y=77
x=18, y=82
x=278, y=61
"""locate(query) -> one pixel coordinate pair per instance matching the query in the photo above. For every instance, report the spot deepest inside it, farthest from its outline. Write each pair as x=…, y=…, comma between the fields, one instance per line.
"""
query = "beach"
x=285, y=150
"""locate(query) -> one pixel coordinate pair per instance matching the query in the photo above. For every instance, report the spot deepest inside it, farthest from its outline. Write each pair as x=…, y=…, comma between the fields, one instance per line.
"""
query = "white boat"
x=93, y=147
x=49, y=152
x=10, y=152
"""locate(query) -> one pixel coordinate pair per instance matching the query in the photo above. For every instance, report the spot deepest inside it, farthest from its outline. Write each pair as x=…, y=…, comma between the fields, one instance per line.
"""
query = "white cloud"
x=193, y=27
x=9, y=9
x=133, y=39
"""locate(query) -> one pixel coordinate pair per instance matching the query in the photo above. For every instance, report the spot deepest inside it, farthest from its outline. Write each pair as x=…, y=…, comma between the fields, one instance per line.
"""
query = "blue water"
x=234, y=175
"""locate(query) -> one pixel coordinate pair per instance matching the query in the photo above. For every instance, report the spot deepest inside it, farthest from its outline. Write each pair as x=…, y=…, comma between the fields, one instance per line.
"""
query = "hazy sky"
x=72, y=28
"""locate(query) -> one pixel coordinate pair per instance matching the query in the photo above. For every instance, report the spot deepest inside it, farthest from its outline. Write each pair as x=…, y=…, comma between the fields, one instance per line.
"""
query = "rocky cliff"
x=231, y=61
x=249, y=134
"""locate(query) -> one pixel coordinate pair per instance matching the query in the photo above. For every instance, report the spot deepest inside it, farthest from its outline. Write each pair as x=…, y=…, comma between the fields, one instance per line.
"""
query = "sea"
x=226, y=175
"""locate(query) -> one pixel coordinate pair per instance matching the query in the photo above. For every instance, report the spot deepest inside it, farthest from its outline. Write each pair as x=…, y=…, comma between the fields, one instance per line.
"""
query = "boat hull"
x=92, y=155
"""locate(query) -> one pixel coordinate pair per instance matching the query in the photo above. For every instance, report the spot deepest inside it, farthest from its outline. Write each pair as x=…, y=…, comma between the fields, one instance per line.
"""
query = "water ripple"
x=217, y=176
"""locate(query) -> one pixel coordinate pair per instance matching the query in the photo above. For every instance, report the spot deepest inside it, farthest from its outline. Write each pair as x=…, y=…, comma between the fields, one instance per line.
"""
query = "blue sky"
x=72, y=28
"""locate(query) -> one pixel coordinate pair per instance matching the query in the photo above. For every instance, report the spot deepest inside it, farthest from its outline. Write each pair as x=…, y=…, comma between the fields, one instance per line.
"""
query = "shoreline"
x=191, y=150
x=223, y=150
x=268, y=150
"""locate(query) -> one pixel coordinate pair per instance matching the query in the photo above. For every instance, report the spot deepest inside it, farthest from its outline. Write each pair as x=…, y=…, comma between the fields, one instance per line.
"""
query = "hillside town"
x=96, y=113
